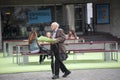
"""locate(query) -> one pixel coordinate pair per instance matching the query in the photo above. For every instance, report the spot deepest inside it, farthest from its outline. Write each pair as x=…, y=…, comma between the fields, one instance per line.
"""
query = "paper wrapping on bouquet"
x=46, y=39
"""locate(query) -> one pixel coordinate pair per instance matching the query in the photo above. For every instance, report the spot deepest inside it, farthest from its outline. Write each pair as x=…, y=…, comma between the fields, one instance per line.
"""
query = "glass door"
x=79, y=18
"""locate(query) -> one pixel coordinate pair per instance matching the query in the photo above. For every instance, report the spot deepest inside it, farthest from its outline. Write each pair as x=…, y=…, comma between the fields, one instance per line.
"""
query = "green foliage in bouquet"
x=45, y=39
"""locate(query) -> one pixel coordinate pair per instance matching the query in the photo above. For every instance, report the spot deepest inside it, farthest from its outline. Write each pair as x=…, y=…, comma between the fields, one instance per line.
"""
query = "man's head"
x=54, y=25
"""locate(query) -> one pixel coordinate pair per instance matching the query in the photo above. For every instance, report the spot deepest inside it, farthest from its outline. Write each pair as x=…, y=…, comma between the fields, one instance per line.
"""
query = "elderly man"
x=58, y=48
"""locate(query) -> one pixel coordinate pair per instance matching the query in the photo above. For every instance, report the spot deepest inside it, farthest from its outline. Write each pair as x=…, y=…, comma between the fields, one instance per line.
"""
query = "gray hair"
x=55, y=23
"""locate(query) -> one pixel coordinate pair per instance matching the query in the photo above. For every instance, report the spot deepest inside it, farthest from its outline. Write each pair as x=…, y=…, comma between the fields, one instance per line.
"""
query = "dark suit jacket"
x=60, y=36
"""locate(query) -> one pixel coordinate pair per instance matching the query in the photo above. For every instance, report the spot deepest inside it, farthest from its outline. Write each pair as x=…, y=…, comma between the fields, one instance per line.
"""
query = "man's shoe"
x=66, y=74
x=55, y=77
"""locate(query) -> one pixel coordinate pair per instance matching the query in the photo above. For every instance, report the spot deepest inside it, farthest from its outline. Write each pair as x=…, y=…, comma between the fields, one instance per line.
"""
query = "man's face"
x=53, y=26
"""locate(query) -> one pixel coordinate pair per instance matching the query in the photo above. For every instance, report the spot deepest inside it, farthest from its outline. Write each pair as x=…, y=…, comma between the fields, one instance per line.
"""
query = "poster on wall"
x=102, y=14
x=39, y=16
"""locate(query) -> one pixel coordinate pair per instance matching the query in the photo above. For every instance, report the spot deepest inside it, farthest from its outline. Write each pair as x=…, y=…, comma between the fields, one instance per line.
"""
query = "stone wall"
x=115, y=17
x=114, y=26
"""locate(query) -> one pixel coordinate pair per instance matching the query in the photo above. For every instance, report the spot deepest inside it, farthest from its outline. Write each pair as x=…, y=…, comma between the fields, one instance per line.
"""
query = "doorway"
x=83, y=17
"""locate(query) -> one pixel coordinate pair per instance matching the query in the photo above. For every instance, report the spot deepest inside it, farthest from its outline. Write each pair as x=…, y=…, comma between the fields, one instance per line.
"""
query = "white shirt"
x=54, y=33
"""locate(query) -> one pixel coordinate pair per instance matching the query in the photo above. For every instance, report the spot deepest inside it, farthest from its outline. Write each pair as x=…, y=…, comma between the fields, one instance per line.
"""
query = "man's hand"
x=55, y=40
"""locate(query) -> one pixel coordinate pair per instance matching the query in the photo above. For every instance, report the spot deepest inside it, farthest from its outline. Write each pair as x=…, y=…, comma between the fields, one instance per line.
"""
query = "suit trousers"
x=56, y=63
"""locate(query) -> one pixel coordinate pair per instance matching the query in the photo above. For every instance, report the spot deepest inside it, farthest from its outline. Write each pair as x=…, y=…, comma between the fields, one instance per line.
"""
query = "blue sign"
x=102, y=13
x=40, y=16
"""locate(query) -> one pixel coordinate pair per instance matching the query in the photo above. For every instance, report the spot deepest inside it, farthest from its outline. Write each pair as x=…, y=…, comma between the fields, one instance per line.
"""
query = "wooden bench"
x=23, y=51
x=110, y=49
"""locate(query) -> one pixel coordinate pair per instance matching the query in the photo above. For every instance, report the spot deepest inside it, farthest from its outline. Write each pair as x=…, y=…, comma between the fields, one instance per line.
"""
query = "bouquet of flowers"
x=45, y=39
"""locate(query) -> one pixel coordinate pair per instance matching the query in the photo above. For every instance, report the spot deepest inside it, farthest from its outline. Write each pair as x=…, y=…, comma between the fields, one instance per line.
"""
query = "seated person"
x=72, y=35
x=36, y=46
x=42, y=57
x=33, y=43
x=48, y=34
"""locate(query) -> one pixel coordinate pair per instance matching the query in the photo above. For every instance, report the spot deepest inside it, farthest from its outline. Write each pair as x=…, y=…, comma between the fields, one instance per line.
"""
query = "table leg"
x=5, y=49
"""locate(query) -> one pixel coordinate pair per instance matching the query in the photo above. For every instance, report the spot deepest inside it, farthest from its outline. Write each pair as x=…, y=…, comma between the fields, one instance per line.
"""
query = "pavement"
x=87, y=74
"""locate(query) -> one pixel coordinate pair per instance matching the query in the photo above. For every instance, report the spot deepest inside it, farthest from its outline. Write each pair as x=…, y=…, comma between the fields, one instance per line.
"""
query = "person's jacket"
x=60, y=36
